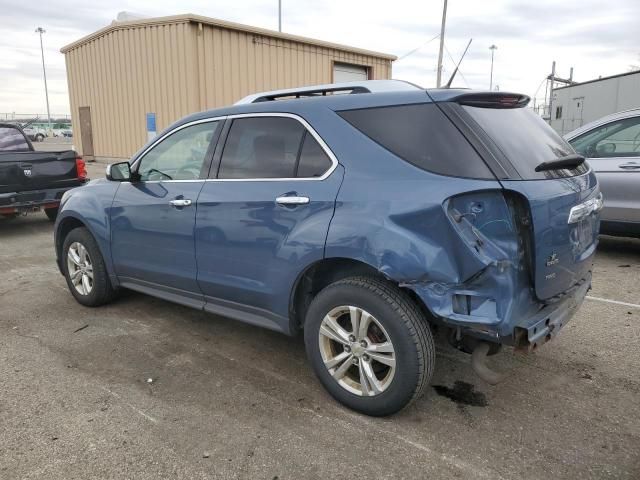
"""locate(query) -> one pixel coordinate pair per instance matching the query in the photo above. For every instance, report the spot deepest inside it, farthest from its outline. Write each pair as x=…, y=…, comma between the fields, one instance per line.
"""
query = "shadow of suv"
x=367, y=219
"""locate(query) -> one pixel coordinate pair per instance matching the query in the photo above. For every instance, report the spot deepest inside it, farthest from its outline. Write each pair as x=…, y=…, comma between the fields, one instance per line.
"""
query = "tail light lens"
x=81, y=168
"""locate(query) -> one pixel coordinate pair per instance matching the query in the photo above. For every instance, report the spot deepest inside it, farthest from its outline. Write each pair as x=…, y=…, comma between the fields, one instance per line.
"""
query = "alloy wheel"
x=80, y=268
x=357, y=351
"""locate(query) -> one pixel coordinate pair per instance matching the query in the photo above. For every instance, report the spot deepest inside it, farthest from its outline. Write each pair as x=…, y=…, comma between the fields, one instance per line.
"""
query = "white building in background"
x=581, y=103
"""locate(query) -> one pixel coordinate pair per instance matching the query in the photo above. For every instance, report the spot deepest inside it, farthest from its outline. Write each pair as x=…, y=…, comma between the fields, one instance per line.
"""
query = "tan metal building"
x=173, y=66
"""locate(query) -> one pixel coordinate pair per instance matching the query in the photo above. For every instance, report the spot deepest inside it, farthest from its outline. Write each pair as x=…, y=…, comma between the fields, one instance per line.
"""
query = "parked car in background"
x=35, y=134
x=367, y=220
x=30, y=180
x=612, y=147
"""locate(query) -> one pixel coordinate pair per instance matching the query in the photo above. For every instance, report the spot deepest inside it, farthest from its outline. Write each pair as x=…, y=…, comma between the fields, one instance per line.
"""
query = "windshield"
x=525, y=139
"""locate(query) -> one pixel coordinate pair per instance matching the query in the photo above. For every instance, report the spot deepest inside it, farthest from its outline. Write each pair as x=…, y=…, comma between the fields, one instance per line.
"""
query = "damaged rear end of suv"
x=493, y=235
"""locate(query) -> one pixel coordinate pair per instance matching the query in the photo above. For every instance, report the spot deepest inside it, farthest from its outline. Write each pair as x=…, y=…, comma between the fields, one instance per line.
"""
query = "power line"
x=454, y=62
x=402, y=57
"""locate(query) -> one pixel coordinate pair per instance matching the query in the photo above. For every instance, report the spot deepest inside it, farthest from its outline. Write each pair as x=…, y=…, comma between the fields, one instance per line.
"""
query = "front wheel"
x=369, y=344
x=84, y=269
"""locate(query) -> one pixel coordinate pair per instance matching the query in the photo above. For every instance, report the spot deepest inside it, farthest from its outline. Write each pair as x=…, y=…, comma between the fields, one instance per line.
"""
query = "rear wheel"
x=51, y=213
x=369, y=344
x=39, y=137
x=84, y=269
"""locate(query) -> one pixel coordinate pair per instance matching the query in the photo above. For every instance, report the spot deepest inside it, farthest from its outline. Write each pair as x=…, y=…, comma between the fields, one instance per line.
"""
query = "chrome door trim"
x=308, y=127
x=305, y=124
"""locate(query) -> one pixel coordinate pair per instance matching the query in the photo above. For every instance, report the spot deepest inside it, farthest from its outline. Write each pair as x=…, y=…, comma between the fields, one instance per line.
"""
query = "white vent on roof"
x=129, y=16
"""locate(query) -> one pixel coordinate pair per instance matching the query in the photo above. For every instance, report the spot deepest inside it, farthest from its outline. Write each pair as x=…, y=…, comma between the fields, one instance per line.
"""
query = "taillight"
x=81, y=168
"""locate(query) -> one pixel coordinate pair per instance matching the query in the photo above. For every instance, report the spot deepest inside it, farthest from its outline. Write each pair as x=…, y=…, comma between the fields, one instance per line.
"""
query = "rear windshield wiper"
x=568, y=161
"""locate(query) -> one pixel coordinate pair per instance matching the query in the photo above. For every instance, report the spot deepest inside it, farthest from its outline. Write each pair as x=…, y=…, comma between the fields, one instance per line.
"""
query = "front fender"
x=90, y=206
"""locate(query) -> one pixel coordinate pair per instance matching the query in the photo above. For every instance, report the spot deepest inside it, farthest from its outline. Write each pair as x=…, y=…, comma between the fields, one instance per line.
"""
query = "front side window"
x=180, y=156
x=12, y=139
x=616, y=139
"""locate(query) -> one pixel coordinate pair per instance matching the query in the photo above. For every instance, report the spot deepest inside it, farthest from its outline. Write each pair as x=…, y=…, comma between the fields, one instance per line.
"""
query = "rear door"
x=153, y=217
x=264, y=215
x=613, y=151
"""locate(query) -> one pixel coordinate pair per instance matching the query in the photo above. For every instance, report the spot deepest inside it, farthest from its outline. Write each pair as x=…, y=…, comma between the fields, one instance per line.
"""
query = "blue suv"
x=369, y=216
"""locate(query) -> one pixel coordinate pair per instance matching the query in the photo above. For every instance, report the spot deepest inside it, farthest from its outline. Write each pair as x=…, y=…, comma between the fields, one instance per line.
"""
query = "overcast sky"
x=595, y=37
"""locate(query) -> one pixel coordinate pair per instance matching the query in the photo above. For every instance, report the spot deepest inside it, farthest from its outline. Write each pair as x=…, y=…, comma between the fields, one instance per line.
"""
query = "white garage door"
x=343, y=72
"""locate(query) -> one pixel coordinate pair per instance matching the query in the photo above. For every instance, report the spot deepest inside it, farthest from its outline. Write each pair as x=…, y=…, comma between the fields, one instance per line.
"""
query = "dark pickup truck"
x=30, y=180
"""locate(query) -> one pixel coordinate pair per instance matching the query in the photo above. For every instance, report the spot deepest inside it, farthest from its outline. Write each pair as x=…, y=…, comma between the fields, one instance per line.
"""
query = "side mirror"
x=119, y=172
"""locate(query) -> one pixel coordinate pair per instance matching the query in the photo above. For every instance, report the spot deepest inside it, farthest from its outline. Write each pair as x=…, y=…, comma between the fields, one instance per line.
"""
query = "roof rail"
x=365, y=86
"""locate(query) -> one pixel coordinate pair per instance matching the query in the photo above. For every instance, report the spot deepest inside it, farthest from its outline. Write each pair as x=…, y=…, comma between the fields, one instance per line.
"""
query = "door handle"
x=180, y=202
x=630, y=166
x=292, y=200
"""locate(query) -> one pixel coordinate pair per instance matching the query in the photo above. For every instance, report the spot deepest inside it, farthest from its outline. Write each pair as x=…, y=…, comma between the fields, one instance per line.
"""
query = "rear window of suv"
x=525, y=139
x=421, y=135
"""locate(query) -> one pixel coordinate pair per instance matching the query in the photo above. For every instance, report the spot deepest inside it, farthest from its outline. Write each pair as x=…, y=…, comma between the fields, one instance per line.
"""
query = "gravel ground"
x=228, y=400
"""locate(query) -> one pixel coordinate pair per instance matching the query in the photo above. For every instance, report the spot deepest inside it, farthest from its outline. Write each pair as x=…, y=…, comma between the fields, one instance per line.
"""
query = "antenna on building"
x=552, y=80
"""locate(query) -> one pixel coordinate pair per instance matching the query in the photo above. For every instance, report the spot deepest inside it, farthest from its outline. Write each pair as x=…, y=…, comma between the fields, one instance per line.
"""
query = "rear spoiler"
x=481, y=99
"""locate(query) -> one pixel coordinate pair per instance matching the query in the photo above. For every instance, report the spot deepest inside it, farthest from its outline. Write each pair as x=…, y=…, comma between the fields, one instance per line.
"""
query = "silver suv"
x=612, y=147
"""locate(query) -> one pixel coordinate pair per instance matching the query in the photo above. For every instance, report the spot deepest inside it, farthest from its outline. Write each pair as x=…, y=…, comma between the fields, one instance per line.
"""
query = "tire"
x=100, y=291
x=392, y=317
x=39, y=137
x=51, y=213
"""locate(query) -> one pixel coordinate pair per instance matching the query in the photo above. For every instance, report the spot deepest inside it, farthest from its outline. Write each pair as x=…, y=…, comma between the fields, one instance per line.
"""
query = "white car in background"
x=612, y=147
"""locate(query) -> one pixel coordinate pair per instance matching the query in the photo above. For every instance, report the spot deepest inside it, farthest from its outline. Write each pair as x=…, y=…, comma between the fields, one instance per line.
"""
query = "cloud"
x=529, y=34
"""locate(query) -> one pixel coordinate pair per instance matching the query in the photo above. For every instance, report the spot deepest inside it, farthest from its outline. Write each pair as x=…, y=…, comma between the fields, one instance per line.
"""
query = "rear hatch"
x=22, y=171
x=532, y=160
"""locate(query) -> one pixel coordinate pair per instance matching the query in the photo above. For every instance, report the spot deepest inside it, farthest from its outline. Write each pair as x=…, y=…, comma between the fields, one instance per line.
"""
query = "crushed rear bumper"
x=547, y=323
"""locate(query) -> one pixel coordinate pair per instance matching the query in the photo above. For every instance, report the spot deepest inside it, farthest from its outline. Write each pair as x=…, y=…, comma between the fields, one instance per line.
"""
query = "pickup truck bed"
x=31, y=180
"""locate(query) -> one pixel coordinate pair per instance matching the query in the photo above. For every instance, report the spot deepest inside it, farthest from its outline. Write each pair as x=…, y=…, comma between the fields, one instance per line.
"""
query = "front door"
x=153, y=217
x=264, y=217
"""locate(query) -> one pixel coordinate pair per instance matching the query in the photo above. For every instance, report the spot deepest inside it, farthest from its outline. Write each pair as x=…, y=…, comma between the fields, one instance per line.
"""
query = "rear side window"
x=313, y=159
x=261, y=147
x=421, y=135
x=12, y=139
x=271, y=147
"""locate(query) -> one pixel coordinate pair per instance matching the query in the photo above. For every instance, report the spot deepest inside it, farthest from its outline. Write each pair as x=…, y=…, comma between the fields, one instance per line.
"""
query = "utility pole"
x=444, y=21
x=552, y=79
x=41, y=30
x=493, y=48
x=280, y=15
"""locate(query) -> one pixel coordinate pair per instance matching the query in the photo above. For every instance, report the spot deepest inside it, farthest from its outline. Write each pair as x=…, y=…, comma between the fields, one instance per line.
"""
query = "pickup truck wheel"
x=369, y=344
x=85, y=270
x=39, y=137
x=51, y=213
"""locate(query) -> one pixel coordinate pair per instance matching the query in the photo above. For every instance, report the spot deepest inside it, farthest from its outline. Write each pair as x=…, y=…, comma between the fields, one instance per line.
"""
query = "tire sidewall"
x=401, y=390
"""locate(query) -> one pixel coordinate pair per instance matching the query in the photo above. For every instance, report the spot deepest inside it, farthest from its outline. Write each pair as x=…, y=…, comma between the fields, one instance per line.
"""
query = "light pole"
x=493, y=48
x=41, y=30
x=444, y=21
x=279, y=15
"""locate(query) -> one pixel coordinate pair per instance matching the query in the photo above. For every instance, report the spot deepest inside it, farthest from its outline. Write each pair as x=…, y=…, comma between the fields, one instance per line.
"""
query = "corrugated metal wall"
x=174, y=69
